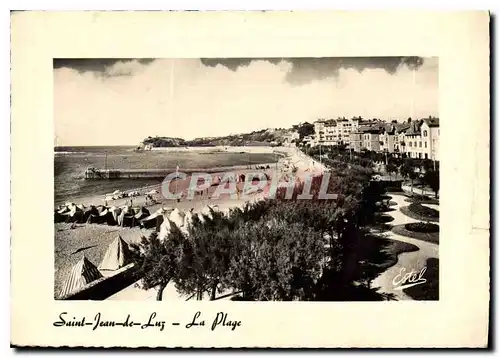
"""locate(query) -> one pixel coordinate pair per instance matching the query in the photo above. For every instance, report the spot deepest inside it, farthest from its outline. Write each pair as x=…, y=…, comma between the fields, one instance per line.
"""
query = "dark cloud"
x=97, y=66
x=304, y=69
x=307, y=69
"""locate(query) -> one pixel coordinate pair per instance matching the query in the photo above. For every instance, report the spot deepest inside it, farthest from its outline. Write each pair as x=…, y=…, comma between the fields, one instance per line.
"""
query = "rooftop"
x=432, y=121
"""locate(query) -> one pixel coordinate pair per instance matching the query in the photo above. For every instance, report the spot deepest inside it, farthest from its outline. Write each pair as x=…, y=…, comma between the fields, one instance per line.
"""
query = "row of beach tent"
x=100, y=214
x=127, y=216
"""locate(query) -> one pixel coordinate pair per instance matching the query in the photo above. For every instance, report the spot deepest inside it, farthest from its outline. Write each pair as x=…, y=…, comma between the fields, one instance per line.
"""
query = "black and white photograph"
x=250, y=179
x=246, y=179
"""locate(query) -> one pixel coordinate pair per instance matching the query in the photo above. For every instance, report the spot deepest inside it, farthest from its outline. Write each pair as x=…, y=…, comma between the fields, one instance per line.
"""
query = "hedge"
x=422, y=227
x=424, y=211
x=432, y=237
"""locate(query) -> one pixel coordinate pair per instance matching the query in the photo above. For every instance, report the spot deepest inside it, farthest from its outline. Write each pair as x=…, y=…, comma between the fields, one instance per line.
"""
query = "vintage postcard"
x=241, y=179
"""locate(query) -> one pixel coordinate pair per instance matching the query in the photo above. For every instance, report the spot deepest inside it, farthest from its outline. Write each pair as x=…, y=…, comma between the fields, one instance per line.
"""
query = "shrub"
x=423, y=210
x=422, y=227
x=396, y=189
x=418, y=197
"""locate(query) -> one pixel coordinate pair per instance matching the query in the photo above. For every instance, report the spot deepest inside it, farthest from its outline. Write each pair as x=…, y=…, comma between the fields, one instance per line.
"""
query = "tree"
x=305, y=129
x=211, y=249
x=431, y=178
x=391, y=168
x=159, y=261
x=278, y=261
x=407, y=170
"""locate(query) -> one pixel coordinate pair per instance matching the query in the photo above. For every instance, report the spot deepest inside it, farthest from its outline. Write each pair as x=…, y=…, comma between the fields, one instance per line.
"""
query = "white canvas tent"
x=83, y=273
x=177, y=217
x=117, y=255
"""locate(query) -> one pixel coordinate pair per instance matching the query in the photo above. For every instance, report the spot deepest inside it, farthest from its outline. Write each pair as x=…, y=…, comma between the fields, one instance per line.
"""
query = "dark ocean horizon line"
x=95, y=146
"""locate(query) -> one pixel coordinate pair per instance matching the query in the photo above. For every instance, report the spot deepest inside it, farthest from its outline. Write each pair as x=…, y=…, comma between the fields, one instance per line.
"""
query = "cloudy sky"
x=122, y=101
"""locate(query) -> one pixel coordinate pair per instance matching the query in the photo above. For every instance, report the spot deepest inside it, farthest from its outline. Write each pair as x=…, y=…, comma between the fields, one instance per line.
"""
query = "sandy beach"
x=73, y=241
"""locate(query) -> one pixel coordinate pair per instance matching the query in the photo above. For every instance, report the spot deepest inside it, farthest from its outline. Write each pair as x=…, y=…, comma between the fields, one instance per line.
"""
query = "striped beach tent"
x=83, y=273
x=117, y=255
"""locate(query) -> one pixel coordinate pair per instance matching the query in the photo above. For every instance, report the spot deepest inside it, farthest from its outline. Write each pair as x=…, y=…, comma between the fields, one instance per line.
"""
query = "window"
x=419, y=155
x=420, y=144
x=425, y=133
x=410, y=144
x=425, y=145
x=426, y=156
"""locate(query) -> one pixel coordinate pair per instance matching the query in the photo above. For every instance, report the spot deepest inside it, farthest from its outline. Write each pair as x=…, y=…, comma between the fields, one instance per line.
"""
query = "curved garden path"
x=407, y=261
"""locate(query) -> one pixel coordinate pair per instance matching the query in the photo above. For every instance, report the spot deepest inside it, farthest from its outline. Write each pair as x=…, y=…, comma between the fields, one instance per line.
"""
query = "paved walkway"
x=407, y=261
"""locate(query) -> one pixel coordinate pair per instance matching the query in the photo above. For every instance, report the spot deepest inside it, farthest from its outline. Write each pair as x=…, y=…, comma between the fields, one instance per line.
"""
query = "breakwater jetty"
x=110, y=174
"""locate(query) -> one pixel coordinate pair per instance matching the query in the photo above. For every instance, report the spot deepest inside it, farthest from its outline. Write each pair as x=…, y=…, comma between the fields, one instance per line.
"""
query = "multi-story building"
x=414, y=139
x=388, y=139
x=335, y=131
x=422, y=139
x=430, y=135
x=371, y=139
x=399, y=138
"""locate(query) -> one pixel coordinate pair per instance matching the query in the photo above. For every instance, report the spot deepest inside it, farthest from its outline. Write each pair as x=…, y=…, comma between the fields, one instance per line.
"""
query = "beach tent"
x=83, y=273
x=63, y=209
x=141, y=213
x=115, y=212
x=74, y=215
x=106, y=217
x=126, y=217
x=58, y=217
x=164, y=229
x=154, y=220
x=93, y=219
x=91, y=210
x=117, y=255
x=177, y=217
x=207, y=211
x=188, y=219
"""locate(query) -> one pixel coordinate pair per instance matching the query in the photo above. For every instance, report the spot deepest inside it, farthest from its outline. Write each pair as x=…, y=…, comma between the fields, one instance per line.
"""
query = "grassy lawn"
x=428, y=291
x=428, y=237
